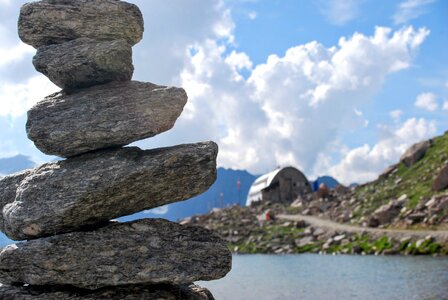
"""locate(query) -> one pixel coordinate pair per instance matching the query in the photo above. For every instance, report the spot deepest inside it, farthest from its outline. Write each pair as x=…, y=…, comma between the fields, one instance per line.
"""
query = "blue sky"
x=332, y=87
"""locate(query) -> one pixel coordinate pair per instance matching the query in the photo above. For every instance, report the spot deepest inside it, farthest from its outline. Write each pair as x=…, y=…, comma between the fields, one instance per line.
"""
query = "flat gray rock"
x=132, y=292
x=149, y=251
x=85, y=62
x=93, y=188
x=49, y=22
x=113, y=114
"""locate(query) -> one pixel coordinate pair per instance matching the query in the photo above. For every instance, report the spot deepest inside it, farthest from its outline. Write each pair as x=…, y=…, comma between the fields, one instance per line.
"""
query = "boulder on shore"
x=96, y=187
x=50, y=22
x=149, y=251
x=85, y=62
x=113, y=114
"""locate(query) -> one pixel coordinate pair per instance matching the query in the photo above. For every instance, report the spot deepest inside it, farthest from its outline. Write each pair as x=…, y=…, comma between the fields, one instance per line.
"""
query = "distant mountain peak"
x=13, y=164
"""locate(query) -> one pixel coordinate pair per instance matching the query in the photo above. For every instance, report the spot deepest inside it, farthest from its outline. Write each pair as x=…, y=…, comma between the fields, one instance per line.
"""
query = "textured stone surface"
x=415, y=153
x=148, y=251
x=132, y=292
x=386, y=213
x=85, y=62
x=96, y=187
x=113, y=114
x=8, y=188
x=441, y=181
x=56, y=21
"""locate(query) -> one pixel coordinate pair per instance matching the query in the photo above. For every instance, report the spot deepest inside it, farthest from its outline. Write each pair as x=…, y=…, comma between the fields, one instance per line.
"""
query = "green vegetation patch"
x=415, y=181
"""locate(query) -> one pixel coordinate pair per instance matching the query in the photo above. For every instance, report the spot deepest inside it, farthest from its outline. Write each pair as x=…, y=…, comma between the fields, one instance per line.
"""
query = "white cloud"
x=290, y=109
x=160, y=56
x=340, y=12
x=409, y=10
x=13, y=54
x=252, y=15
x=445, y=105
x=364, y=163
x=427, y=101
x=396, y=115
x=446, y=84
x=16, y=99
x=238, y=61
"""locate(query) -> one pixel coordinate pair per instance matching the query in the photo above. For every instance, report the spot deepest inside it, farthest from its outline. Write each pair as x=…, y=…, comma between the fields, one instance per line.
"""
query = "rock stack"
x=64, y=209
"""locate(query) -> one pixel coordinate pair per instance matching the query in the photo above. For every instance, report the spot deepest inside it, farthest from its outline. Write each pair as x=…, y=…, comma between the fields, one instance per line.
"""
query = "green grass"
x=363, y=242
x=426, y=248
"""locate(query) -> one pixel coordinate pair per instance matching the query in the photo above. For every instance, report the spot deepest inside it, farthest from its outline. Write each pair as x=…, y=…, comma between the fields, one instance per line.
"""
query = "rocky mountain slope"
x=412, y=195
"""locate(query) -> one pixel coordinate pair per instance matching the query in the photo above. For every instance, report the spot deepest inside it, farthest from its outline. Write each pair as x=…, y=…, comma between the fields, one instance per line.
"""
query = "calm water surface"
x=311, y=276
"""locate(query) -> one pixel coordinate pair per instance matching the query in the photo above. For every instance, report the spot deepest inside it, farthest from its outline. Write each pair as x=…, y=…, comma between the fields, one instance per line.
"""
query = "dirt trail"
x=439, y=235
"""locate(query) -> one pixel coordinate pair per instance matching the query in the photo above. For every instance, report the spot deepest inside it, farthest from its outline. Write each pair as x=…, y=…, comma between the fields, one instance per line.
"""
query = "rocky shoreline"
x=247, y=231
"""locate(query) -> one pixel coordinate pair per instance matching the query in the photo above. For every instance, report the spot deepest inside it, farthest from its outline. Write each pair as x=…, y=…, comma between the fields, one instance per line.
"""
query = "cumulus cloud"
x=170, y=28
x=409, y=10
x=427, y=101
x=396, y=114
x=292, y=108
x=340, y=12
x=364, y=163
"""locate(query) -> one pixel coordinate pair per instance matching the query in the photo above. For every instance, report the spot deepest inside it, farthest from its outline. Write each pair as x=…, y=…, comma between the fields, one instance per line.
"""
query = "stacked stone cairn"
x=64, y=209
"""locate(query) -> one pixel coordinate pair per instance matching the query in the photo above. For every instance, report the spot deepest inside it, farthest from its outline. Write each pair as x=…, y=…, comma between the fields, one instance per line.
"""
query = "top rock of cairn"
x=50, y=22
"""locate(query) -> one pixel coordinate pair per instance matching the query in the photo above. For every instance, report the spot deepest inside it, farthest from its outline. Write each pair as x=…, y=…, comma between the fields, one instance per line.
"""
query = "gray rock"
x=304, y=241
x=49, y=22
x=441, y=181
x=9, y=185
x=133, y=292
x=85, y=62
x=113, y=114
x=389, y=170
x=385, y=213
x=415, y=153
x=416, y=217
x=149, y=251
x=8, y=188
x=96, y=187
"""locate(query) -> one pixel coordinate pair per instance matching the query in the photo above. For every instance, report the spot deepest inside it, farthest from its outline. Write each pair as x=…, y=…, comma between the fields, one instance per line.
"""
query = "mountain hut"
x=281, y=185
